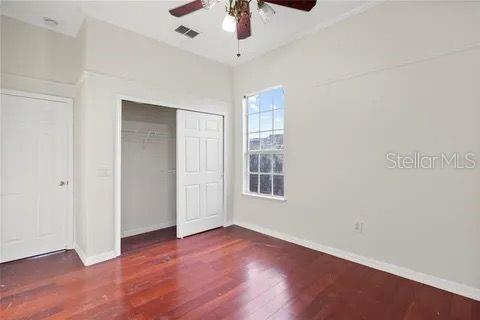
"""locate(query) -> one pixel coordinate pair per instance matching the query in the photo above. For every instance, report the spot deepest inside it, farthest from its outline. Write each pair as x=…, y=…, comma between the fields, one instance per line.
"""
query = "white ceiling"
x=152, y=19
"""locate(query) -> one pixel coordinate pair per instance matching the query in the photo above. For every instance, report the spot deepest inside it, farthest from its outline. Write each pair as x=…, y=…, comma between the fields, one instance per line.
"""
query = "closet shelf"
x=146, y=136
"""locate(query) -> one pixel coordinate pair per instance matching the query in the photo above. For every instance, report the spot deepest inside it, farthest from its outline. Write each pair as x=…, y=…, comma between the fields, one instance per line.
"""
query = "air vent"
x=187, y=31
x=191, y=33
x=182, y=29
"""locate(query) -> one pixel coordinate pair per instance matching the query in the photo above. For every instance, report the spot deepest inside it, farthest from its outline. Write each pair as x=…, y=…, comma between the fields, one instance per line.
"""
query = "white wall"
x=80, y=221
x=38, y=53
x=121, y=63
x=148, y=168
x=37, y=60
x=41, y=61
x=127, y=55
x=403, y=77
x=102, y=63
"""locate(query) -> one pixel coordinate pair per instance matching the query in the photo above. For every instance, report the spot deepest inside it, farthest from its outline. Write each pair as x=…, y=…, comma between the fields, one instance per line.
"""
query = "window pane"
x=266, y=140
x=278, y=119
x=266, y=100
x=253, y=104
x=266, y=121
x=253, y=162
x=253, y=183
x=253, y=122
x=278, y=100
x=265, y=134
x=277, y=139
x=266, y=183
x=253, y=141
x=277, y=163
x=278, y=186
x=266, y=163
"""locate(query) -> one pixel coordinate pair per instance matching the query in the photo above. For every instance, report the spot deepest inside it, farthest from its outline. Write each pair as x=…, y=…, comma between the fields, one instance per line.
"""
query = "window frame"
x=246, y=152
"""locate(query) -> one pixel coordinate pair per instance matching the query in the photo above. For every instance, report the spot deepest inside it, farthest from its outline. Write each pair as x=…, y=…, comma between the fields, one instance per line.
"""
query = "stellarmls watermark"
x=442, y=160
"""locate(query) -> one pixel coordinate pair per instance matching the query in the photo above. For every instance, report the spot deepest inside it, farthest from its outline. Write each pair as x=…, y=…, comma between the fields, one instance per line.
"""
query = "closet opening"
x=169, y=174
x=148, y=171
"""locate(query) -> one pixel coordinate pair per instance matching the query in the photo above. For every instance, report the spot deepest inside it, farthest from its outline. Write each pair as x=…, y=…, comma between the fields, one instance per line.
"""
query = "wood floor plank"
x=227, y=273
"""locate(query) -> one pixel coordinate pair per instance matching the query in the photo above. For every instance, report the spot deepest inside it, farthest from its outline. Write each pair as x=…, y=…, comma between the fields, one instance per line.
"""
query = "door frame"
x=117, y=171
x=69, y=228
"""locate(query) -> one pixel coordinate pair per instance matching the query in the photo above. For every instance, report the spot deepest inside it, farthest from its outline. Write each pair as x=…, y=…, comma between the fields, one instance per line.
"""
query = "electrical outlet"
x=357, y=226
x=360, y=227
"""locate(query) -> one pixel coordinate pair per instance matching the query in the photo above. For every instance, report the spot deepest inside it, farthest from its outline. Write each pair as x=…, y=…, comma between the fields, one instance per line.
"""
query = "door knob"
x=62, y=183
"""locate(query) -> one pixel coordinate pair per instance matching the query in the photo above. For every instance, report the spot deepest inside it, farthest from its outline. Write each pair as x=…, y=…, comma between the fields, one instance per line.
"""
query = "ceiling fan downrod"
x=238, y=49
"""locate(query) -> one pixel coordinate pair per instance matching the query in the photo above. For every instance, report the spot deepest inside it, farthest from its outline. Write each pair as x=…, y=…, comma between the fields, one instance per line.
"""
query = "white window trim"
x=264, y=196
x=245, y=153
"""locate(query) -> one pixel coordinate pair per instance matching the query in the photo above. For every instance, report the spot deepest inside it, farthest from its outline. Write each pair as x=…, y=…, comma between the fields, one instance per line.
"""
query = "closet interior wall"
x=148, y=168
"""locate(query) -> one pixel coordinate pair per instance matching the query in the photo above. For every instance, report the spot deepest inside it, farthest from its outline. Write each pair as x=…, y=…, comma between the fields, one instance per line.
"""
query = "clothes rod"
x=150, y=132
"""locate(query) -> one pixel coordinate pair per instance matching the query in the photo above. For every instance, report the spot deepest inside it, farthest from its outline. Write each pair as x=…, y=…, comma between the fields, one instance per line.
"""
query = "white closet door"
x=199, y=172
x=34, y=176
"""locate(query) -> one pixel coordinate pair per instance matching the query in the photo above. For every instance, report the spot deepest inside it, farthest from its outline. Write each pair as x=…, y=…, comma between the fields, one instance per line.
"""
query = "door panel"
x=192, y=201
x=199, y=172
x=212, y=154
x=34, y=159
x=212, y=198
x=192, y=148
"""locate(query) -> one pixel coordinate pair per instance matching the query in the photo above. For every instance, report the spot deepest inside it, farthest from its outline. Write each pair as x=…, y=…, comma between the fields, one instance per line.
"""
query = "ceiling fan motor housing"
x=242, y=15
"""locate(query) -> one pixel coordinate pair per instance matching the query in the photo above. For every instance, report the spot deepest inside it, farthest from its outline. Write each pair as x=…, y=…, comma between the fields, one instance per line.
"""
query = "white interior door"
x=199, y=172
x=35, y=155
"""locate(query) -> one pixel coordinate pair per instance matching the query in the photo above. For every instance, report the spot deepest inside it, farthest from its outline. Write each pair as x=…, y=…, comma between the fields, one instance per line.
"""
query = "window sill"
x=255, y=195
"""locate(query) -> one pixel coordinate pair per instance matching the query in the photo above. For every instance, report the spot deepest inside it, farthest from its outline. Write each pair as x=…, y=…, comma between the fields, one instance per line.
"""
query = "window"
x=264, y=148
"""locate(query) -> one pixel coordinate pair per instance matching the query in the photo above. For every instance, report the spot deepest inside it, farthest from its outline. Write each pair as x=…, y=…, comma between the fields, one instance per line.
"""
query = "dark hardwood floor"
x=148, y=239
x=229, y=273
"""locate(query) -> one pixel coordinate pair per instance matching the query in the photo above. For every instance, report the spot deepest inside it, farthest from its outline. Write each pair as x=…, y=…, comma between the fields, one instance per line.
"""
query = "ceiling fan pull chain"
x=238, y=49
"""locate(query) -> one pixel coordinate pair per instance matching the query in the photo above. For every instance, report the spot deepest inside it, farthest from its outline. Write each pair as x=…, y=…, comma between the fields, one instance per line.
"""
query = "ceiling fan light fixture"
x=229, y=23
x=209, y=4
x=265, y=11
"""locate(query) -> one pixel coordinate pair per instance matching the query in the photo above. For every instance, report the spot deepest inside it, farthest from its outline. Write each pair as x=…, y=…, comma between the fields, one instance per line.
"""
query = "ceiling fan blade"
x=186, y=8
x=243, y=27
x=304, y=5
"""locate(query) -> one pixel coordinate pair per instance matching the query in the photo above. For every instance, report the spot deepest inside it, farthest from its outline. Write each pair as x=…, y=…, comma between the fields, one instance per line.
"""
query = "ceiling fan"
x=238, y=12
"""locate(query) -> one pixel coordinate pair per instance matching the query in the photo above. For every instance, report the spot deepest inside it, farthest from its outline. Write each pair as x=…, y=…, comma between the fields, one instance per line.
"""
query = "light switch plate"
x=103, y=172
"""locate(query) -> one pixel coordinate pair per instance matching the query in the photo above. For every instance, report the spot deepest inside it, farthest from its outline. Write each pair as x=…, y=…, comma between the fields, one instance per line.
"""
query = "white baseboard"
x=88, y=261
x=228, y=223
x=99, y=258
x=134, y=232
x=451, y=286
x=81, y=253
